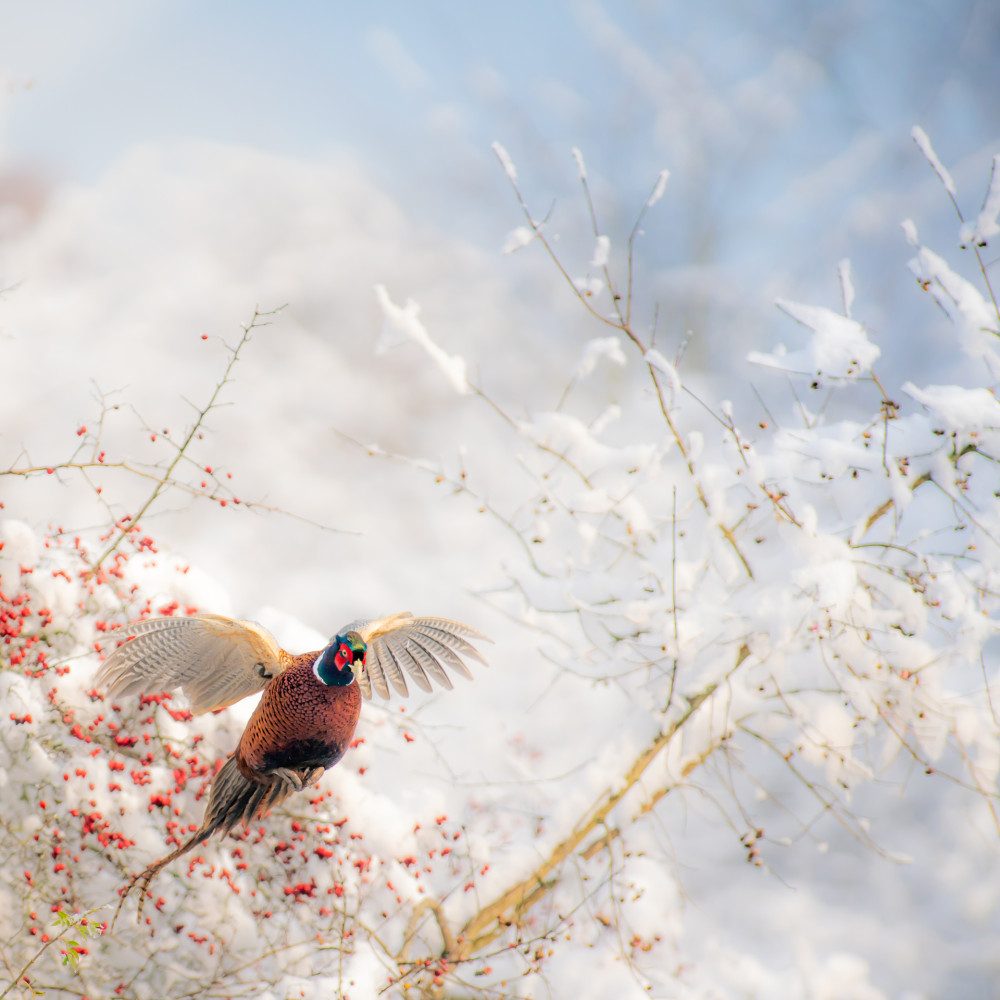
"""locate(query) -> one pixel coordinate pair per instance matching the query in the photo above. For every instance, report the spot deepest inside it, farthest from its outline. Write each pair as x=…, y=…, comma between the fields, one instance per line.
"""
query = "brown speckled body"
x=300, y=723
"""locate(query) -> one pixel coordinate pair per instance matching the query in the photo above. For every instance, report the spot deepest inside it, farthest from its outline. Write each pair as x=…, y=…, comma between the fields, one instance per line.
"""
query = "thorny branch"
x=68, y=926
x=591, y=834
x=163, y=477
x=510, y=907
x=622, y=322
x=193, y=431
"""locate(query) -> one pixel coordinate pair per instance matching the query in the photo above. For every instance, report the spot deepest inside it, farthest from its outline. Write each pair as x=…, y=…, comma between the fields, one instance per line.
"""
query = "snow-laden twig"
x=919, y=136
x=405, y=321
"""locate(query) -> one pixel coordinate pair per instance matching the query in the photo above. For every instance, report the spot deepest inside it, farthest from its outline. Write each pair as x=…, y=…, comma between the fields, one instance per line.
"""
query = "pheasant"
x=309, y=708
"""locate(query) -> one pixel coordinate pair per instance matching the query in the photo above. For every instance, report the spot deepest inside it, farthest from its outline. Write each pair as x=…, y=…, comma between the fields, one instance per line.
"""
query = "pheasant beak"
x=357, y=663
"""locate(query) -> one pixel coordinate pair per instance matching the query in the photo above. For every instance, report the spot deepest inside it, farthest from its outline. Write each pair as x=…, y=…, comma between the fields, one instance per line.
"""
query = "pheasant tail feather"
x=234, y=798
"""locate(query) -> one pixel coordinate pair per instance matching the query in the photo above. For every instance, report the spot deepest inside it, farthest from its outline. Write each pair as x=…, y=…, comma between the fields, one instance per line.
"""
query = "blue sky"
x=405, y=86
x=785, y=126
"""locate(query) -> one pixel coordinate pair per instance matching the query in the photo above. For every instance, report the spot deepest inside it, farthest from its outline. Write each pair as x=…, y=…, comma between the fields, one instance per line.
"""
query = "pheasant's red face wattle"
x=344, y=657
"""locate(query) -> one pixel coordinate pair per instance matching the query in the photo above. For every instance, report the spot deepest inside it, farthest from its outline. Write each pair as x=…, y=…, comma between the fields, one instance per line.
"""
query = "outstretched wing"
x=215, y=660
x=421, y=647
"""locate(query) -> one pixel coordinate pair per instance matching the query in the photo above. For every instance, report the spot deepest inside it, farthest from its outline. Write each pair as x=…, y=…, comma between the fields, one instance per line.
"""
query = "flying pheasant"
x=306, y=716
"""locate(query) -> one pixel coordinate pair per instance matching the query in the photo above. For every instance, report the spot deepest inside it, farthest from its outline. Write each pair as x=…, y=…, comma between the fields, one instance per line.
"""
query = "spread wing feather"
x=215, y=660
x=454, y=642
x=432, y=668
x=406, y=662
x=382, y=668
x=401, y=645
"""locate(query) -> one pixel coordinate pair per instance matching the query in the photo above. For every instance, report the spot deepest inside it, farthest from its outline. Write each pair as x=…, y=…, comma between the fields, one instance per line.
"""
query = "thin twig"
x=48, y=944
x=490, y=921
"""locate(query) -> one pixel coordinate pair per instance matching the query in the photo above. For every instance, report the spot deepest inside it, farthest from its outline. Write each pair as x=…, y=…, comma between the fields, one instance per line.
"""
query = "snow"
x=602, y=252
x=919, y=136
x=405, y=321
x=18, y=545
x=658, y=188
x=839, y=346
x=957, y=408
x=573, y=535
x=846, y=286
x=986, y=225
x=975, y=320
x=600, y=347
x=505, y=161
x=656, y=360
x=517, y=238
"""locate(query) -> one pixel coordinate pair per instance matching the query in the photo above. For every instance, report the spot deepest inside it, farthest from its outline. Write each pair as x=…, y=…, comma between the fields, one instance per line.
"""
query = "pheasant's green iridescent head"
x=339, y=663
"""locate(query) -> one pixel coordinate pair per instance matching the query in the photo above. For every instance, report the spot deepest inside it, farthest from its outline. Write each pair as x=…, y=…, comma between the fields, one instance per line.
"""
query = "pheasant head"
x=336, y=666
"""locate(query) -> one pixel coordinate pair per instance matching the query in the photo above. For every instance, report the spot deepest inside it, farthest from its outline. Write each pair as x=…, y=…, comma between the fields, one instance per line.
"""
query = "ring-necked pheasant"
x=310, y=705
